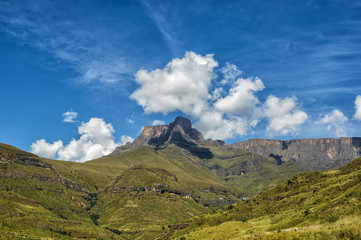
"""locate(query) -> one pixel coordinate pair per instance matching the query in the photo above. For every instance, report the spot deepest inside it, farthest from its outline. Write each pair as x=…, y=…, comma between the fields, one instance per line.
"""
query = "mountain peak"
x=179, y=131
x=185, y=123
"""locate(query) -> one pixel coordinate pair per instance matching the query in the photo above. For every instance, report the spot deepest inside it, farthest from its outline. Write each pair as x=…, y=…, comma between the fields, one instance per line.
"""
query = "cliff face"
x=311, y=154
x=180, y=132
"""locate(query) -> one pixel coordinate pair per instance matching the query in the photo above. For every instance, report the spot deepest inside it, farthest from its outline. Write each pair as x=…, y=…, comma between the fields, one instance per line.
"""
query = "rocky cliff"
x=311, y=154
x=179, y=132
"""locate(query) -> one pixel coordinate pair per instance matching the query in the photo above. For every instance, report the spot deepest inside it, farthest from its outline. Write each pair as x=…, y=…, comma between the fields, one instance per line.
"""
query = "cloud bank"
x=283, y=116
x=96, y=140
x=44, y=149
x=182, y=85
x=223, y=109
x=335, y=121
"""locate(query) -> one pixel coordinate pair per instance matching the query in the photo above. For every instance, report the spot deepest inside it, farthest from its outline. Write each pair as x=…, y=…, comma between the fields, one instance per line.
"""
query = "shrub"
x=332, y=218
x=307, y=211
x=94, y=218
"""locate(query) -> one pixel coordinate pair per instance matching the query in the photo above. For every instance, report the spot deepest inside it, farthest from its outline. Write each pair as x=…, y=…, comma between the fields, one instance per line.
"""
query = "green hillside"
x=315, y=205
x=249, y=173
x=145, y=192
x=135, y=194
x=37, y=201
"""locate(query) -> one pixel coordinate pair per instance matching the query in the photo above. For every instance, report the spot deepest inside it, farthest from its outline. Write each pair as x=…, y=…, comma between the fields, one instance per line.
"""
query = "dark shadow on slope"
x=200, y=152
x=356, y=143
x=277, y=157
x=194, y=149
x=177, y=139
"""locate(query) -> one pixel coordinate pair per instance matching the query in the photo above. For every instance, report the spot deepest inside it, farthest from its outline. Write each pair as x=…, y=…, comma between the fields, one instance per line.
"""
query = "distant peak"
x=183, y=122
x=156, y=136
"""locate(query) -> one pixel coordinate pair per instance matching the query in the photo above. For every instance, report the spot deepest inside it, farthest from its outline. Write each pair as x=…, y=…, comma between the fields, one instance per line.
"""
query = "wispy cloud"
x=158, y=16
x=62, y=41
x=70, y=116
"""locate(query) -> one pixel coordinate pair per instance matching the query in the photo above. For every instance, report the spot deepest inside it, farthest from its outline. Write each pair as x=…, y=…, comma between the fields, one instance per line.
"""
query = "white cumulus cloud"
x=221, y=109
x=182, y=85
x=214, y=125
x=125, y=139
x=335, y=121
x=158, y=122
x=358, y=108
x=284, y=118
x=70, y=116
x=336, y=117
x=230, y=73
x=96, y=140
x=241, y=99
x=44, y=149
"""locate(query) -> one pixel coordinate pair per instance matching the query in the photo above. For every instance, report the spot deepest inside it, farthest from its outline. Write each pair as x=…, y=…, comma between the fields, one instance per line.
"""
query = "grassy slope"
x=35, y=200
x=138, y=211
x=259, y=173
x=322, y=205
x=184, y=166
x=141, y=212
x=144, y=212
x=137, y=202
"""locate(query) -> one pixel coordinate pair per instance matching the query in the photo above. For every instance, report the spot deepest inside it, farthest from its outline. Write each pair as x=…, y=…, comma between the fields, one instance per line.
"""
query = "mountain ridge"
x=179, y=131
x=312, y=154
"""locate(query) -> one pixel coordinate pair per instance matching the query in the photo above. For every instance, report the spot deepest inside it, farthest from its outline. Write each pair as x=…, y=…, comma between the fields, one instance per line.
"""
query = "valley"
x=172, y=183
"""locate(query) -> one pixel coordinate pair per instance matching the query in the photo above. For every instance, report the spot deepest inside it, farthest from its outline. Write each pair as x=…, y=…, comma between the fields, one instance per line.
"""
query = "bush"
x=307, y=211
x=332, y=218
x=94, y=218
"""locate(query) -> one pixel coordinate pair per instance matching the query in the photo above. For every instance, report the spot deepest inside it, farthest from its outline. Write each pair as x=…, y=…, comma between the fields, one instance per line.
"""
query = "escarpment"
x=311, y=154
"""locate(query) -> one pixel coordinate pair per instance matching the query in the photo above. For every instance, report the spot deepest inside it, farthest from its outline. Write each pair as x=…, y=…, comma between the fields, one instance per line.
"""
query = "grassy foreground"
x=147, y=193
x=315, y=205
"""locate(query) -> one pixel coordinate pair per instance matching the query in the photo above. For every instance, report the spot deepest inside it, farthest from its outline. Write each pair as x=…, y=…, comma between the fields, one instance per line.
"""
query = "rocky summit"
x=311, y=154
x=179, y=132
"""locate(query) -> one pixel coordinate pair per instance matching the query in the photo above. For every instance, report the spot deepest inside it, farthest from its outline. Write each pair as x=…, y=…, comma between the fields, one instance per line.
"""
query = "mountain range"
x=144, y=189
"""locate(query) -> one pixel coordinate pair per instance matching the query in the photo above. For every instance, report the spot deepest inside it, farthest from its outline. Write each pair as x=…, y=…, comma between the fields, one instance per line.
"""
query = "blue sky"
x=283, y=69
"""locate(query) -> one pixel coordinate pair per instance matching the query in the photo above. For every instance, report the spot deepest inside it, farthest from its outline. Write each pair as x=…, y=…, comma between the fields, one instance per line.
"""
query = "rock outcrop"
x=179, y=132
x=311, y=154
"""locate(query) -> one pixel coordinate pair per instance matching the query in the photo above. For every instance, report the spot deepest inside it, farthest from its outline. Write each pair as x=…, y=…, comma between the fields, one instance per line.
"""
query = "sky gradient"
x=81, y=77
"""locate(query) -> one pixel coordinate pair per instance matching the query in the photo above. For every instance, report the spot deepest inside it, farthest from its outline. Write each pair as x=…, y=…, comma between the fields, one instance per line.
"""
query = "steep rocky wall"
x=311, y=154
x=156, y=136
